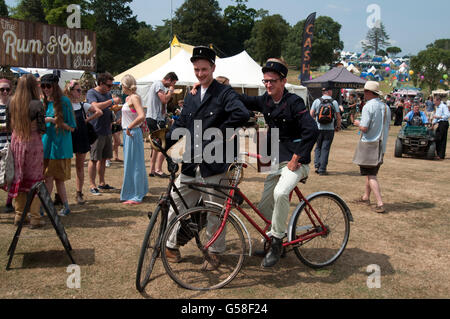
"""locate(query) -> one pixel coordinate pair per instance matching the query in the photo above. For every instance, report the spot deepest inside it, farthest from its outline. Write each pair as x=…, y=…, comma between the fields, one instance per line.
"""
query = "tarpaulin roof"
x=339, y=78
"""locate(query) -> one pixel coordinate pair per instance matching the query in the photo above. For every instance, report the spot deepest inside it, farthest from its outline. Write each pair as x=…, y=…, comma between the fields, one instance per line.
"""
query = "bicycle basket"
x=190, y=227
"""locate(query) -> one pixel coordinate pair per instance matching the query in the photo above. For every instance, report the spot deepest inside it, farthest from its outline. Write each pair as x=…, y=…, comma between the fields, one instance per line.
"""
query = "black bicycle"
x=151, y=246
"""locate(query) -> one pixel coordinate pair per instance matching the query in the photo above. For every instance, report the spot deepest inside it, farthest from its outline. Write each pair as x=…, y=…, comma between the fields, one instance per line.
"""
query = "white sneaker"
x=108, y=163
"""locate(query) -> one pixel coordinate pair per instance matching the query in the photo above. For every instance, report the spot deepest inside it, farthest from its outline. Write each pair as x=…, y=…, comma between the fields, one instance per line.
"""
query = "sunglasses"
x=46, y=86
x=78, y=90
x=5, y=89
x=270, y=81
x=108, y=85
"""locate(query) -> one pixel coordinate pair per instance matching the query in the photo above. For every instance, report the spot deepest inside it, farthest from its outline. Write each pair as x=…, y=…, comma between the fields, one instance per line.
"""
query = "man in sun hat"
x=287, y=113
x=374, y=125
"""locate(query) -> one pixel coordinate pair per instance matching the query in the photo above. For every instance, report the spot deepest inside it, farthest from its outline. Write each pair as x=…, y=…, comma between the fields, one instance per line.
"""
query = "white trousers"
x=274, y=204
x=191, y=198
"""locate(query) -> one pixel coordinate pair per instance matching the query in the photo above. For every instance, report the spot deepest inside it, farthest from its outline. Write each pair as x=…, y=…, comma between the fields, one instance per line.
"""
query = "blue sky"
x=411, y=24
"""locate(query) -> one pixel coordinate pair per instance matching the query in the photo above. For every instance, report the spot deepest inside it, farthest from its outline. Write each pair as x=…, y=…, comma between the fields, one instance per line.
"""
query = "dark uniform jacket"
x=221, y=108
x=298, y=131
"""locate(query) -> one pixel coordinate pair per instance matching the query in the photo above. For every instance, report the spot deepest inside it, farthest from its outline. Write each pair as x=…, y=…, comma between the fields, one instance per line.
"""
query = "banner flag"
x=308, y=34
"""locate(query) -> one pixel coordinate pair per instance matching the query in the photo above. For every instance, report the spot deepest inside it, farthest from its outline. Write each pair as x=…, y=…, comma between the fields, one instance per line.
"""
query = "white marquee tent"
x=241, y=69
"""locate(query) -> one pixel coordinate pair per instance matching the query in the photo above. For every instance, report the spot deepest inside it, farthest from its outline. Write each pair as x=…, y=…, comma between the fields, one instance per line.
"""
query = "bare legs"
x=372, y=185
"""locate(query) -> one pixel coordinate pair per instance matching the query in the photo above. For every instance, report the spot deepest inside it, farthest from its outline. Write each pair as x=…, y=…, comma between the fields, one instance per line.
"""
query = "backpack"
x=325, y=115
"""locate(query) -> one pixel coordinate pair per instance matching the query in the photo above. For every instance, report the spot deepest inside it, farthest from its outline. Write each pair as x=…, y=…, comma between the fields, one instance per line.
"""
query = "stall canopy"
x=155, y=62
x=337, y=78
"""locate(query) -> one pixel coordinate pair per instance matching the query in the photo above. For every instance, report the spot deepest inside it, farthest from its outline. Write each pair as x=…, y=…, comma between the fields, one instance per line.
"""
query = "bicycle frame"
x=231, y=203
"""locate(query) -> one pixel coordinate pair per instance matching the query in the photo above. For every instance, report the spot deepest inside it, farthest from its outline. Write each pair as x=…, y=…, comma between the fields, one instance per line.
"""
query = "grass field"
x=410, y=243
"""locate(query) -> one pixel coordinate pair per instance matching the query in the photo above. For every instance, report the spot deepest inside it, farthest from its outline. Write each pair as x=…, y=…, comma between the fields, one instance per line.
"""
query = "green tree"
x=3, y=9
x=117, y=48
x=326, y=41
x=240, y=21
x=432, y=63
x=147, y=41
x=267, y=38
x=199, y=22
x=376, y=39
x=440, y=44
x=30, y=10
x=56, y=12
x=393, y=51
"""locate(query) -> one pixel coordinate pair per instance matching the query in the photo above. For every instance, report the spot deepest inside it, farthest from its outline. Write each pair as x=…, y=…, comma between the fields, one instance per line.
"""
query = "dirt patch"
x=409, y=244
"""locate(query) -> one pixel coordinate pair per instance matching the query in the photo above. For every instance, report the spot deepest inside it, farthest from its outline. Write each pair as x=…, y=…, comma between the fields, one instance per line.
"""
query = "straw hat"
x=373, y=86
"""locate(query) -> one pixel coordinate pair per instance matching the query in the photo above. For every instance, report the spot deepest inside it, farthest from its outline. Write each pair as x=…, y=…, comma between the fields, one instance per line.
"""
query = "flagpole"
x=171, y=29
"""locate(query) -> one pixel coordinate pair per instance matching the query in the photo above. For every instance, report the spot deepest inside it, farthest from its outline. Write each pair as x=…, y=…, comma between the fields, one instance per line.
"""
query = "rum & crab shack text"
x=14, y=45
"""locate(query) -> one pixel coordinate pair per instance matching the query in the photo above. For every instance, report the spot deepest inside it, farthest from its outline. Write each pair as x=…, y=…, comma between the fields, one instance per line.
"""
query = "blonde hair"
x=26, y=91
x=129, y=82
x=69, y=87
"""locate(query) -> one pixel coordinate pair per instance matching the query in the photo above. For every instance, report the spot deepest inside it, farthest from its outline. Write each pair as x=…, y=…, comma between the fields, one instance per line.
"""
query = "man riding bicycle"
x=298, y=133
x=216, y=107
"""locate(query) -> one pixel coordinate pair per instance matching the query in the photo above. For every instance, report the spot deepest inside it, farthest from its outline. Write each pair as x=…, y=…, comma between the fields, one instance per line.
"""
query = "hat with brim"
x=373, y=87
x=203, y=53
x=49, y=78
x=277, y=67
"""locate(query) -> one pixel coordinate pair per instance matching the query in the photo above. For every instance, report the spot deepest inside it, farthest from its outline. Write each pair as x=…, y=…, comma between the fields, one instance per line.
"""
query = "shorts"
x=102, y=148
x=57, y=168
x=369, y=170
x=154, y=125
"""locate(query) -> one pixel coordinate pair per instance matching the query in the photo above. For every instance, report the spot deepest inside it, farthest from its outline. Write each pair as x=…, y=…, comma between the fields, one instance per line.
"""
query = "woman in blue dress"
x=135, y=183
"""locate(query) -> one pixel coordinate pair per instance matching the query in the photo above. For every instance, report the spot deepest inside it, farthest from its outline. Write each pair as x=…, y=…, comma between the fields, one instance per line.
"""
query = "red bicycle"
x=318, y=232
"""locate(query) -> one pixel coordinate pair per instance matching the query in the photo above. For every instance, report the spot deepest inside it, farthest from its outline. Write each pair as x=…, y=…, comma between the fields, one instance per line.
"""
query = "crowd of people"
x=61, y=123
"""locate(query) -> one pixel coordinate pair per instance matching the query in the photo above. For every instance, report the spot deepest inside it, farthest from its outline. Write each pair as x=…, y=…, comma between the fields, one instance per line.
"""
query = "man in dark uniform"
x=214, y=106
x=298, y=132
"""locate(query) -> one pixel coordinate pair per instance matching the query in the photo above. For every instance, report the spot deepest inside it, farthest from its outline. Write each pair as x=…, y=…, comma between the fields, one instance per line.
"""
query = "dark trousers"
x=323, y=146
x=441, y=138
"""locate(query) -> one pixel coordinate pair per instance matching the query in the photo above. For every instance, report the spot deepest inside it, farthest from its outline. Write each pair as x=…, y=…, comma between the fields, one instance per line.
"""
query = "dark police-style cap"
x=49, y=78
x=204, y=53
x=273, y=65
x=327, y=88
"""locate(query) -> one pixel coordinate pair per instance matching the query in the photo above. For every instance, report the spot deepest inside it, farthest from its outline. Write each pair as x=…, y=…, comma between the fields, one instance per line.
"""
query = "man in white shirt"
x=441, y=118
x=374, y=125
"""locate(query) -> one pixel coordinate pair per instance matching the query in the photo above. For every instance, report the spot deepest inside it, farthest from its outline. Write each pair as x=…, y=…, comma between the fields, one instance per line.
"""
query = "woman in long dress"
x=26, y=146
x=135, y=183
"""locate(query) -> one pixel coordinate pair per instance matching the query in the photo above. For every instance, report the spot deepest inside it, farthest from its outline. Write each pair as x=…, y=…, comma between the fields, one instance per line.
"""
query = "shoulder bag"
x=6, y=166
x=370, y=153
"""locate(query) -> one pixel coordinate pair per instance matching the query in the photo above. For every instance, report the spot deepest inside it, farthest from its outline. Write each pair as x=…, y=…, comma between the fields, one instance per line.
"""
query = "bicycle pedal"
x=149, y=215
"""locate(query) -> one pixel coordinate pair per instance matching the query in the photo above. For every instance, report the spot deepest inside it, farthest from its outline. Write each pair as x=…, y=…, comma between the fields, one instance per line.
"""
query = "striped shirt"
x=4, y=135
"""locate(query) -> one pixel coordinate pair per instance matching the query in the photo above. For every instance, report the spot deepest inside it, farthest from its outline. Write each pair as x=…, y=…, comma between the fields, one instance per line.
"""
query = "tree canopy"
x=432, y=64
x=123, y=41
x=3, y=9
x=376, y=39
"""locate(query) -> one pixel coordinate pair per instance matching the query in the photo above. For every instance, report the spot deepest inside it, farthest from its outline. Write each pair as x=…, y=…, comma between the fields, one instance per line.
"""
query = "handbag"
x=370, y=153
x=6, y=166
x=92, y=135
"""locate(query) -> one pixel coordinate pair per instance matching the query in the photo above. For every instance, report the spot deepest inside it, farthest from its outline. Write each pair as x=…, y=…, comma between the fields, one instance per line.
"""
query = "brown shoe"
x=173, y=255
x=362, y=201
x=212, y=262
x=25, y=222
x=39, y=224
x=380, y=209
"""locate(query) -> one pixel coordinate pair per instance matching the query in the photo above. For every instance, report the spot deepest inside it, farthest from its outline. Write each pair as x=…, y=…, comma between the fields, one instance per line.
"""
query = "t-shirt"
x=77, y=106
x=102, y=125
x=430, y=106
x=316, y=106
x=372, y=117
x=58, y=143
x=154, y=110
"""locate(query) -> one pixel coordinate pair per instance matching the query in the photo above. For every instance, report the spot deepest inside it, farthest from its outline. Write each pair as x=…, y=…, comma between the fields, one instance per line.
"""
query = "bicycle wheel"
x=191, y=231
x=323, y=250
x=150, y=249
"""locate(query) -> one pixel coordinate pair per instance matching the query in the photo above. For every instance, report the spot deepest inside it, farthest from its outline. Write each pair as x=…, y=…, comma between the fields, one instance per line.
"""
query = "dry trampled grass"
x=410, y=244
